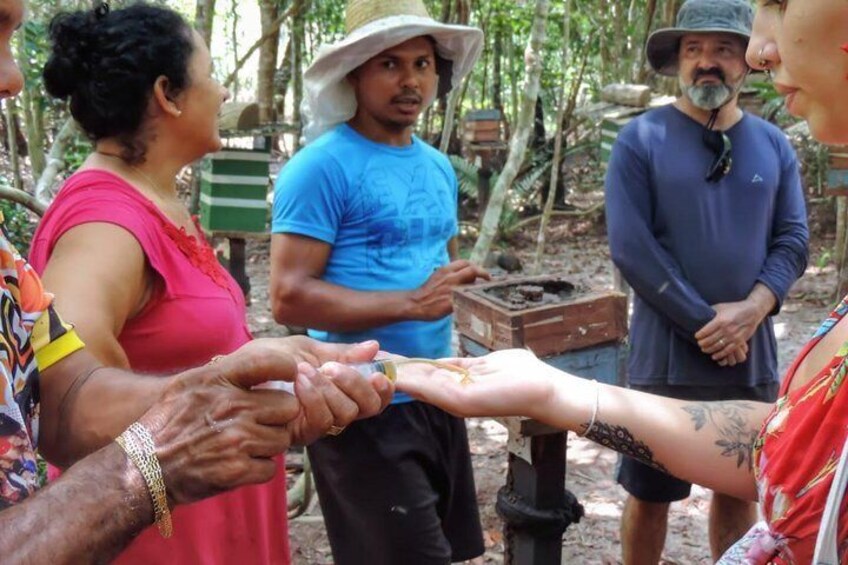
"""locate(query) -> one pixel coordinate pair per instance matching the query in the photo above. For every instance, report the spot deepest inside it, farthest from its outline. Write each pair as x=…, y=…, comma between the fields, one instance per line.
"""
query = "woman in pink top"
x=126, y=260
x=791, y=455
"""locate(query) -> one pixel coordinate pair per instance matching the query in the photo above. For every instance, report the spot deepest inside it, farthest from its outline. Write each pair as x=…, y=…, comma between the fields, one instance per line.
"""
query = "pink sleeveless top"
x=198, y=313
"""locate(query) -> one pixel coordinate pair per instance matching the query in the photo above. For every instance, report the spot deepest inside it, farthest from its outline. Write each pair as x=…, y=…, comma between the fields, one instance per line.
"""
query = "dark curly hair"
x=106, y=62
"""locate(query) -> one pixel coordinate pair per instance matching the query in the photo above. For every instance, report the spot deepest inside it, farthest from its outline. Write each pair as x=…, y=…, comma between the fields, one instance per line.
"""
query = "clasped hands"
x=216, y=428
x=725, y=337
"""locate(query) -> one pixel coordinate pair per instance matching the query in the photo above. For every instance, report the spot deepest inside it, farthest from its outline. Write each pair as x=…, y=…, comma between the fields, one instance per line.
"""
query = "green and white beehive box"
x=609, y=131
x=234, y=191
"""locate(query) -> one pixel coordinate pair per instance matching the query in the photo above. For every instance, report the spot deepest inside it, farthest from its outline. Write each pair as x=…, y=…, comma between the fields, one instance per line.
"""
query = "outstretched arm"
x=708, y=443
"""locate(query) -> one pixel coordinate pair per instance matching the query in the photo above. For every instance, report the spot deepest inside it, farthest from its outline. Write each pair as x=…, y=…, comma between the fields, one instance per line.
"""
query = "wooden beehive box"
x=565, y=320
x=482, y=127
x=837, y=170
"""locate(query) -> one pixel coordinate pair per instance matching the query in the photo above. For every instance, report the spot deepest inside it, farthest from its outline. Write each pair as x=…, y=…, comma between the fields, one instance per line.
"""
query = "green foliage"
x=18, y=225
x=78, y=148
x=523, y=191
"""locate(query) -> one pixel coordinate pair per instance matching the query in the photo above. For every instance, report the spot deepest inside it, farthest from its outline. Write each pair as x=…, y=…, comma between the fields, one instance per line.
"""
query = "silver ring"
x=721, y=341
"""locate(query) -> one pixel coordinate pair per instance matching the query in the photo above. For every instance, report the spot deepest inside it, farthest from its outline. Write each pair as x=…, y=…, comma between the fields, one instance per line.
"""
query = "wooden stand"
x=582, y=334
x=237, y=257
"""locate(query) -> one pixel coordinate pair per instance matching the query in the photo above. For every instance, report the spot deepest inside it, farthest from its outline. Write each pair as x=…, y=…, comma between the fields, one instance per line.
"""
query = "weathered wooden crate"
x=837, y=170
x=568, y=320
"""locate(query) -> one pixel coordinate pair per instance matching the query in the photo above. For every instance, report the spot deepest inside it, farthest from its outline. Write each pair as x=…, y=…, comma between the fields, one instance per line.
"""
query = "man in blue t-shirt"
x=707, y=224
x=364, y=248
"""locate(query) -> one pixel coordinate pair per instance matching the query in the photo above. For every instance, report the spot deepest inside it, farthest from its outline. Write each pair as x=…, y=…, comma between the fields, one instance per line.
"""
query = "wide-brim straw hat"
x=372, y=27
x=698, y=16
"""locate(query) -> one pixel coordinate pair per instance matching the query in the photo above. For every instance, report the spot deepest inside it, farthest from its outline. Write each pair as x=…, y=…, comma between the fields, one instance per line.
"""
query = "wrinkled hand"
x=335, y=395
x=512, y=382
x=434, y=300
x=213, y=433
x=727, y=335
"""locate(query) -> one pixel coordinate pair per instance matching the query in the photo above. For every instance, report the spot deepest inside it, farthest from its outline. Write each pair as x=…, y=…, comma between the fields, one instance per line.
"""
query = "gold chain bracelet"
x=139, y=446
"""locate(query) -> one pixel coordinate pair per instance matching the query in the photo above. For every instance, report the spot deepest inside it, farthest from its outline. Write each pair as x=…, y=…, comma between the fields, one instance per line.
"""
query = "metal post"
x=237, y=264
x=540, y=483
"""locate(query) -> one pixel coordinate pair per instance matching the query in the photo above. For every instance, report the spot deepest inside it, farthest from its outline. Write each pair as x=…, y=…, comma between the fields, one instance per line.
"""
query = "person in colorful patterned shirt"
x=180, y=439
x=792, y=455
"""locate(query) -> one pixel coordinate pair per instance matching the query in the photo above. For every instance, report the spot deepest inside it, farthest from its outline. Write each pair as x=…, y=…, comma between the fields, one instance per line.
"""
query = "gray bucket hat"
x=698, y=16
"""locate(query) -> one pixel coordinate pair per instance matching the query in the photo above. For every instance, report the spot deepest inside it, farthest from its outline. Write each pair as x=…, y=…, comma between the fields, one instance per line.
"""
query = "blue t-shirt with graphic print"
x=388, y=213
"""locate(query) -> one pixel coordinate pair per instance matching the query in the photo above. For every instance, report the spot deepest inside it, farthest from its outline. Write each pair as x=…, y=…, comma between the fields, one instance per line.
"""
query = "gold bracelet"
x=139, y=446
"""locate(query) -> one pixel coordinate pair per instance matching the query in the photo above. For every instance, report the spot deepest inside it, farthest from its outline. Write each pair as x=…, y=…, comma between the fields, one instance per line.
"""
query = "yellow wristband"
x=138, y=444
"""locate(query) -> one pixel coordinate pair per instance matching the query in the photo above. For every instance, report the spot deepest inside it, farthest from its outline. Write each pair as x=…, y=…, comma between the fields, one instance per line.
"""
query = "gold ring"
x=721, y=342
x=335, y=430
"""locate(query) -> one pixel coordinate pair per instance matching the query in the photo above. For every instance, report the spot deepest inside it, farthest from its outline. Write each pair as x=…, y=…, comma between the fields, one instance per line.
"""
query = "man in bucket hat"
x=364, y=227
x=707, y=224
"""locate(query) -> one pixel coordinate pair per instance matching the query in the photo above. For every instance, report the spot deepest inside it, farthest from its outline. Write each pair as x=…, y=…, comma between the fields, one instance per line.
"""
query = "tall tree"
x=204, y=19
x=298, y=39
x=268, y=11
x=521, y=134
x=555, y=166
x=12, y=132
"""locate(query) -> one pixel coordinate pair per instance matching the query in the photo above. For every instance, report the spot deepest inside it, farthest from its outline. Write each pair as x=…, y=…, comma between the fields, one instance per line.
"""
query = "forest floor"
x=583, y=257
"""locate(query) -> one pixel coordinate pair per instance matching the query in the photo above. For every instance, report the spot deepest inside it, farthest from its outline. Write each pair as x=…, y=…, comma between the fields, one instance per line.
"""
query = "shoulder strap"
x=827, y=542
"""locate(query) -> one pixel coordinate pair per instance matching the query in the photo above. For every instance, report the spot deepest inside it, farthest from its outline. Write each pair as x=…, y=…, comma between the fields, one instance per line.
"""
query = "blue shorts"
x=648, y=484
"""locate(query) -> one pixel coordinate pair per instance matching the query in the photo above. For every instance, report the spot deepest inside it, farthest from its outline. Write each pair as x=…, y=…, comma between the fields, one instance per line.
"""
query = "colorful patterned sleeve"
x=53, y=339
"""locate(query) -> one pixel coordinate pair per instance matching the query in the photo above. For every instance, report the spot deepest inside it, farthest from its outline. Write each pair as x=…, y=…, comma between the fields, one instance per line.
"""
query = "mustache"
x=408, y=96
x=715, y=72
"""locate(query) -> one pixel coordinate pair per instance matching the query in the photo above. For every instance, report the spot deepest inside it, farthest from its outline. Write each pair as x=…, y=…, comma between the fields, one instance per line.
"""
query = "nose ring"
x=762, y=60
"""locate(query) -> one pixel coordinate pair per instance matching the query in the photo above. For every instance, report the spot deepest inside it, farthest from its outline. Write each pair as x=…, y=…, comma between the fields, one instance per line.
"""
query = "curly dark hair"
x=106, y=62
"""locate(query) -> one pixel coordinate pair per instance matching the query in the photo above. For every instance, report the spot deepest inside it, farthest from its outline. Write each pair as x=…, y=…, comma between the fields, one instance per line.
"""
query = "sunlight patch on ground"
x=780, y=330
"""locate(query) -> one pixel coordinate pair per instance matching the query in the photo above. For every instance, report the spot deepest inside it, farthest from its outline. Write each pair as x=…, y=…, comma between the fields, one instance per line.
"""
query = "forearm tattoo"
x=619, y=438
x=731, y=422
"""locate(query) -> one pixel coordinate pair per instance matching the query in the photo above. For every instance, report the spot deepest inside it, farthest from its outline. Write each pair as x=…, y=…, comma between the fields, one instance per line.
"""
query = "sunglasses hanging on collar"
x=719, y=143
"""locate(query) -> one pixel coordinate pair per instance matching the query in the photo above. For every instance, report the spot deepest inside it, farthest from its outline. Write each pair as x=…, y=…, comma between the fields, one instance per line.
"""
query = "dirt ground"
x=585, y=259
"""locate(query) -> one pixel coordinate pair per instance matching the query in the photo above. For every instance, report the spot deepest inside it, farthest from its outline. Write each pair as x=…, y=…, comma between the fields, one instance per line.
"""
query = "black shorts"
x=648, y=484
x=398, y=489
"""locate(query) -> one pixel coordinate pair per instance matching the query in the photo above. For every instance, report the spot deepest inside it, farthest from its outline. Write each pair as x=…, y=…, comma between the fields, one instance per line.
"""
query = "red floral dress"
x=795, y=457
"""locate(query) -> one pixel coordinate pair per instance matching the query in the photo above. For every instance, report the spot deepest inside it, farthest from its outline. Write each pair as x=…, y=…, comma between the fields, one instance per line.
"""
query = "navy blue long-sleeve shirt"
x=684, y=244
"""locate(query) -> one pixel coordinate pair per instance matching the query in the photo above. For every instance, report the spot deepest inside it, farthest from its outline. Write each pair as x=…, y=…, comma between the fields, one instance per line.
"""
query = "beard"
x=708, y=96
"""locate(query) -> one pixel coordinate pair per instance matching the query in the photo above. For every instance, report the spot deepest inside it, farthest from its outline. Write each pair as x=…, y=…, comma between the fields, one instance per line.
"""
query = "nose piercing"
x=762, y=63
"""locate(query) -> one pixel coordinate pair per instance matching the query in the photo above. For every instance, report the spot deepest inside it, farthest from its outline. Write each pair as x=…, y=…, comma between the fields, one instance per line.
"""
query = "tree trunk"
x=555, y=165
x=497, y=57
x=34, y=134
x=841, y=247
x=283, y=81
x=204, y=20
x=521, y=134
x=456, y=94
x=650, y=14
x=268, y=10
x=513, y=80
x=297, y=43
x=43, y=188
x=624, y=57
x=12, y=132
x=234, y=31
